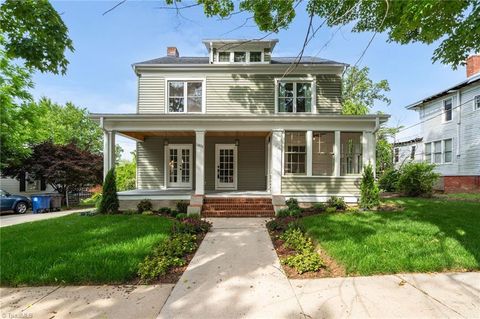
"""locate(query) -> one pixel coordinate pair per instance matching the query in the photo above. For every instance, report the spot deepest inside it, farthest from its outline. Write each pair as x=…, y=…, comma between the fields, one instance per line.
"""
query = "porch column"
x=108, y=151
x=276, y=162
x=337, y=154
x=199, y=162
x=365, y=149
x=309, y=137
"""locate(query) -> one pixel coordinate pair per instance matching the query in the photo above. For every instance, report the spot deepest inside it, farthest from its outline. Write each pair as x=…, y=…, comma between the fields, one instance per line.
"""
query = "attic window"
x=240, y=57
x=223, y=56
x=255, y=56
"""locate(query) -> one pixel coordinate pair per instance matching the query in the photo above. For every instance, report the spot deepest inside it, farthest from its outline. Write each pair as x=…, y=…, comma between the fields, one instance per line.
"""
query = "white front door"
x=226, y=166
x=178, y=158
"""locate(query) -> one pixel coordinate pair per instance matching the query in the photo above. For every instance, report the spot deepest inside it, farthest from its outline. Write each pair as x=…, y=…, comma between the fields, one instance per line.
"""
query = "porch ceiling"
x=143, y=134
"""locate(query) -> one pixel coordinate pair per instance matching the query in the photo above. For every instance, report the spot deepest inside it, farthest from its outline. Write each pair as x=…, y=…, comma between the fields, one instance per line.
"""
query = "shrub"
x=369, y=193
x=182, y=207
x=336, y=202
x=329, y=210
x=388, y=181
x=109, y=203
x=192, y=226
x=93, y=200
x=284, y=212
x=144, y=205
x=181, y=216
x=130, y=212
x=280, y=224
x=417, y=179
x=147, y=212
x=296, y=240
x=166, y=211
x=319, y=208
x=304, y=262
x=292, y=204
x=295, y=212
x=166, y=255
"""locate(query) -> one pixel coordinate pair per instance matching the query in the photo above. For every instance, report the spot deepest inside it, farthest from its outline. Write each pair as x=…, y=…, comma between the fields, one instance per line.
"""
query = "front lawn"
x=429, y=235
x=78, y=249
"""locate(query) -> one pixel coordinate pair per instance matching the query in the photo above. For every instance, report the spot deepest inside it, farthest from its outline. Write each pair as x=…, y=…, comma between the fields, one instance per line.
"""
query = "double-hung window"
x=413, y=150
x=428, y=152
x=397, y=154
x=476, y=102
x=295, y=97
x=437, y=149
x=295, y=153
x=185, y=96
x=447, y=151
x=351, y=153
x=323, y=159
x=447, y=109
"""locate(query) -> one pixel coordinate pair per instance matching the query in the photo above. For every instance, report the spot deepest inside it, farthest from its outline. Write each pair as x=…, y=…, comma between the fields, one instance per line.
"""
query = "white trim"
x=185, y=106
x=295, y=80
x=247, y=57
x=337, y=154
x=178, y=185
x=199, y=162
x=235, y=166
x=309, y=155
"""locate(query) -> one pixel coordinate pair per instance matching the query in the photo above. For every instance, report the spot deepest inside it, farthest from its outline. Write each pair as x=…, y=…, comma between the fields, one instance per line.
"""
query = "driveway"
x=14, y=219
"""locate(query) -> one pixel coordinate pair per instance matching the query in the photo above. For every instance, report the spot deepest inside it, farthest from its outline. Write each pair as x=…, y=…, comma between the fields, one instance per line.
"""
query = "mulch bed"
x=331, y=268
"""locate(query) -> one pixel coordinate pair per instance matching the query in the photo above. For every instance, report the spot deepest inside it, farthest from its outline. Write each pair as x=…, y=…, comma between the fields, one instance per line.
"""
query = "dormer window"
x=255, y=56
x=239, y=57
x=224, y=57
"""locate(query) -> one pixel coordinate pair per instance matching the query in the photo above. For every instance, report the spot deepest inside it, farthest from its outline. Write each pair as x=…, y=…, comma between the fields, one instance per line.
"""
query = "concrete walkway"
x=14, y=219
x=83, y=302
x=234, y=274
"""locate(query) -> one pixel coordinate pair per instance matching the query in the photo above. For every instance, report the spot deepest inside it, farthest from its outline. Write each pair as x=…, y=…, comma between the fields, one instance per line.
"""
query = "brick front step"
x=238, y=207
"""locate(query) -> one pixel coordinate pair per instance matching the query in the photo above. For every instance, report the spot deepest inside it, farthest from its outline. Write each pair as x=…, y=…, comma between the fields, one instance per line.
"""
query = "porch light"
x=165, y=142
x=237, y=142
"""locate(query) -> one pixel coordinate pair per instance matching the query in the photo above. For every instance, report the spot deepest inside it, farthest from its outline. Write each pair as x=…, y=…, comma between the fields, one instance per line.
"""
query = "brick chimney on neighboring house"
x=173, y=52
x=473, y=65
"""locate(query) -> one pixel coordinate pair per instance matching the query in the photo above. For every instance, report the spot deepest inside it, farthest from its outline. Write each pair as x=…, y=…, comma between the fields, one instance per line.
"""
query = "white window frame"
x=284, y=153
x=433, y=151
x=185, y=108
x=312, y=80
x=444, y=117
x=444, y=152
x=166, y=174
x=476, y=102
x=232, y=60
x=425, y=152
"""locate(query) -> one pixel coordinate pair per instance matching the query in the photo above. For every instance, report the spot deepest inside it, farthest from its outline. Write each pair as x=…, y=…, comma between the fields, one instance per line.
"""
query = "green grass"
x=429, y=235
x=464, y=196
x=78, y=249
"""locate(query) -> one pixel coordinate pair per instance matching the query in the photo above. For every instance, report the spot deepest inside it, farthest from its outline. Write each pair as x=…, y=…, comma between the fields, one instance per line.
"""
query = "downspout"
x=459, y=120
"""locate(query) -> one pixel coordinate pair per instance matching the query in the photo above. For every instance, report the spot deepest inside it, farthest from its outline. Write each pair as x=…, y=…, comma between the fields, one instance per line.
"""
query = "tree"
x=125, y=173
x=359, y=92
x=109, y=203
x=455, y=23
x=369, y=192
x=34, y=32
x=384, y=151
x=66, y=168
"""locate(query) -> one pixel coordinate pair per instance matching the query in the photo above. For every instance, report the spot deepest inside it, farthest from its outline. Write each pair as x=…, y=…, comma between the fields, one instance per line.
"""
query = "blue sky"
x=100, y=77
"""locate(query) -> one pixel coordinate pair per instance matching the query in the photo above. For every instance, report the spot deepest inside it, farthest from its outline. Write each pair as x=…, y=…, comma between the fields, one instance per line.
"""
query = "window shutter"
x=43, y=184
x=22, y=182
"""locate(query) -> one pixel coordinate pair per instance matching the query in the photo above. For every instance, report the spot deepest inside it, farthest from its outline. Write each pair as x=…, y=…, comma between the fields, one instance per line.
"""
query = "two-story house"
x=450, y=132
x=241, y=126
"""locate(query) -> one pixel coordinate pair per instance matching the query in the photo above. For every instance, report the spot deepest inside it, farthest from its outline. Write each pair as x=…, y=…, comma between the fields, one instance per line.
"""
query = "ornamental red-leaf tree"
x=66, y=168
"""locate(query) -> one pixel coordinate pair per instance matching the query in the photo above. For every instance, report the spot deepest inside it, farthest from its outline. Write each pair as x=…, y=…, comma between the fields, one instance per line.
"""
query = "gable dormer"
x=240, y=51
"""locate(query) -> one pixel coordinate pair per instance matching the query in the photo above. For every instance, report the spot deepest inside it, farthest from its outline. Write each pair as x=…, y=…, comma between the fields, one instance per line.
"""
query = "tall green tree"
x=455, y=24
x=359, y=92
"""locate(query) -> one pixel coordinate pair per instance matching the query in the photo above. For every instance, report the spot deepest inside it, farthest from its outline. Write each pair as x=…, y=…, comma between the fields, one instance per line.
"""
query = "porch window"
x=351, y=153
x=447, y=154
x=437, y=155
x=323, y=161
x=447, y=107
x=185, y=96
x=428, y=152
x=294, y=97
x=295, y=153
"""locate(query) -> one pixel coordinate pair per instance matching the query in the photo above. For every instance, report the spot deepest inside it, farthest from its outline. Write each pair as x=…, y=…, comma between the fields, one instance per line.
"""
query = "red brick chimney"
x=473, y=65
x=172, y=51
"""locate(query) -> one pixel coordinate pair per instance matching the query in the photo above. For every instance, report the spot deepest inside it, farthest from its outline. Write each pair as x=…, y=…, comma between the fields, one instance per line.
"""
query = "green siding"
x=320, y=185
x=238, y=94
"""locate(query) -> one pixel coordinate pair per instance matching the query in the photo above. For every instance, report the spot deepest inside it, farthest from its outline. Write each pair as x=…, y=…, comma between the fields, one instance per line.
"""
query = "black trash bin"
x=55, y=201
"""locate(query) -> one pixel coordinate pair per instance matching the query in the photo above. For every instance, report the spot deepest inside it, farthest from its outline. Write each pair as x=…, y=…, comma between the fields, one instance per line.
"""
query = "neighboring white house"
x=450, y=128
x=407, y=151
x=241, y=123
x=24, y=186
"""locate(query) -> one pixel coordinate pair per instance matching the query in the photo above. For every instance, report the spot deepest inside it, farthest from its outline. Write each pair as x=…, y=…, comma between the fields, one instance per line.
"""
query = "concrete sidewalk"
x=82, y=302
x=14, y=219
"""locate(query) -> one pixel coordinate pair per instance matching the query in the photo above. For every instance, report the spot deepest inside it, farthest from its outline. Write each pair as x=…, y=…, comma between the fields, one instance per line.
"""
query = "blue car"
x=17, y=203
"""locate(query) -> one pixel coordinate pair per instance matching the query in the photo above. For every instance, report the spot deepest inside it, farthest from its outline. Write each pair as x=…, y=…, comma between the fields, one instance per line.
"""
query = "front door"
x=226, y=165
x=179, y=166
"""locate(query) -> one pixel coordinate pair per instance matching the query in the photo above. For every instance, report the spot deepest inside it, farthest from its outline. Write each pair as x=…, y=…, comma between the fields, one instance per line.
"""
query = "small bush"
x=109, y=202
x=93, y=200
x=292, y=204
x=280, y=224
x=192, y=226
x=337, y=202
x=389, y=180
x=417, y=179
x=295, y=212
x=182, y=207
x=166, y=211
x=147, y=212
x=296, y=240
x=304, y=262
x=181, y=216
x=330, y=210
x=130, y=212
x=166, y=255
x=144, y=205
x=319, y=208
x=284, y=212
x=369, y=192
